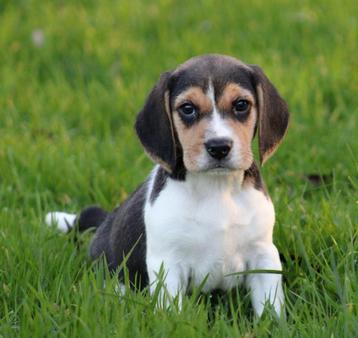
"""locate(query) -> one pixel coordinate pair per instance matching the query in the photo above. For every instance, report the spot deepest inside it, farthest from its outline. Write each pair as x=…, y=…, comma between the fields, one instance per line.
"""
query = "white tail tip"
x=62, y=220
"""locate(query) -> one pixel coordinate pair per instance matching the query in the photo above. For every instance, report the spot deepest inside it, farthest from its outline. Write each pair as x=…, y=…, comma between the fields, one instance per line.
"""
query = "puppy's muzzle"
x=218, y=148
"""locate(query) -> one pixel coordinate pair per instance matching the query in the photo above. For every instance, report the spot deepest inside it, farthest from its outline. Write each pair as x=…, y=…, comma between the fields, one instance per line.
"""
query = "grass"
x=67, y=107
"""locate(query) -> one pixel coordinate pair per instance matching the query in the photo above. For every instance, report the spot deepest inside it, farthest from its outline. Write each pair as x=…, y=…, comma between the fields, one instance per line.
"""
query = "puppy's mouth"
x=219, y=168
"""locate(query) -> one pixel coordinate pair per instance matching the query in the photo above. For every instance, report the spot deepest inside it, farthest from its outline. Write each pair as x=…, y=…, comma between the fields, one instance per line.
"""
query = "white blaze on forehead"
x=211, y=94
x=218, y=126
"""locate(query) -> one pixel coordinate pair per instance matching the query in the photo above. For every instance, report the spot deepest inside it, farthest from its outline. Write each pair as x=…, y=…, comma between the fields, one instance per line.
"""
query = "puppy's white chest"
x=206, y=232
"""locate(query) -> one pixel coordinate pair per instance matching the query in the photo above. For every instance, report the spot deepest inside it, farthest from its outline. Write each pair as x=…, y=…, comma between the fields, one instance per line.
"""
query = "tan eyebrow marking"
x=197, y=97
x=231, y=92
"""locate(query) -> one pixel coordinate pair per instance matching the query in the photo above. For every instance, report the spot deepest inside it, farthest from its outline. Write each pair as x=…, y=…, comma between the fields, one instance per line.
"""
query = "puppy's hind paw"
x=63, y=221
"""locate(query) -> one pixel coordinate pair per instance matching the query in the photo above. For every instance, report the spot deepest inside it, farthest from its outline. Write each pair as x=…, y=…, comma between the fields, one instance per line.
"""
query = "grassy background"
x=67, y=107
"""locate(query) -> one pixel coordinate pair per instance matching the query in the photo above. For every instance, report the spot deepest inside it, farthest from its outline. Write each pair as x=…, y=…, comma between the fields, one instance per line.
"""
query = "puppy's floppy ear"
x=154, y=125
x=273, y=115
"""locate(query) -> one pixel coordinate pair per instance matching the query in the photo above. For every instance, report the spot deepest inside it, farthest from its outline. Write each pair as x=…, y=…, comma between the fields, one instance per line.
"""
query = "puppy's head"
x=205, y=113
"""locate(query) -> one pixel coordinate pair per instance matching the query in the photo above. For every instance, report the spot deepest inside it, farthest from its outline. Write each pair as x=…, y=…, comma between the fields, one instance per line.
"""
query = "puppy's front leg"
x=265, y=287
x=171, y=276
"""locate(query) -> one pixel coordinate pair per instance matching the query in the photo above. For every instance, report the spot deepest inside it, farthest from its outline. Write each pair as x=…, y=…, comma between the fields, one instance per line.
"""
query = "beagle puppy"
x=203, y=213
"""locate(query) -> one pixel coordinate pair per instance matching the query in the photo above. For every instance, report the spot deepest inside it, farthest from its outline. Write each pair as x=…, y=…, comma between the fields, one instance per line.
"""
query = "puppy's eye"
x=187, y=110
x=241, y=106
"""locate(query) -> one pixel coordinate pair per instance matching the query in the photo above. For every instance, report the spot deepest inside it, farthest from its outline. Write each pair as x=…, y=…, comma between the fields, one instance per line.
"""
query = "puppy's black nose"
x=218, y=148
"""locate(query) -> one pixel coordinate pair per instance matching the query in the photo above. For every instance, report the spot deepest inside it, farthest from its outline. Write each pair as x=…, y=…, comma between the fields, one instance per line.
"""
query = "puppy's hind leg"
x=90, y=217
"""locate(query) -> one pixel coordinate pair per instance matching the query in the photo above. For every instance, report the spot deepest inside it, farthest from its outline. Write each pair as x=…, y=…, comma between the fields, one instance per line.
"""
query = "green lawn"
x=67, y=108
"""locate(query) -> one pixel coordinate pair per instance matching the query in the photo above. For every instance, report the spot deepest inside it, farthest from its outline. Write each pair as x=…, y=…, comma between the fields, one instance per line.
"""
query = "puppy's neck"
x=215, y=181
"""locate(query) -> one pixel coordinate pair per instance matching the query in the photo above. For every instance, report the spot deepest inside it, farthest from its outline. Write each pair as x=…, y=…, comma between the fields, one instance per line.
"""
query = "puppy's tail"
x=90, y=217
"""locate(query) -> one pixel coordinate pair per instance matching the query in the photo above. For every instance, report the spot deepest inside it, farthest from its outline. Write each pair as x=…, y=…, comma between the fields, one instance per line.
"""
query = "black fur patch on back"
x=159, y=183
x=123, y=233
x=179, y=171
x=254, y=174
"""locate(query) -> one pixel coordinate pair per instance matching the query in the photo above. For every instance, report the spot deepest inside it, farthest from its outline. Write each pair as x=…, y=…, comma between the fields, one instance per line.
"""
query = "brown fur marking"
x=243, y=130
x=191, y=140
x=231, y=93
x=196, y=96
x=245, y=133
